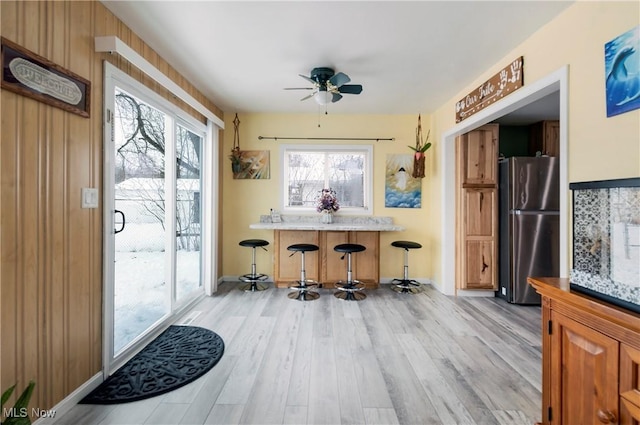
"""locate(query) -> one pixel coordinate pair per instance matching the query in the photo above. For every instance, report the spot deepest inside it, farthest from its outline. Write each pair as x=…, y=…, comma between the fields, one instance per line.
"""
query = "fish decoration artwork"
x=622, y=71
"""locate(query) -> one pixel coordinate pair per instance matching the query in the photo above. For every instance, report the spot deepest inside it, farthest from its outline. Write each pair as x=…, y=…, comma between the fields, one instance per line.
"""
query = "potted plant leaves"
x=18, y=414
x=420, y=148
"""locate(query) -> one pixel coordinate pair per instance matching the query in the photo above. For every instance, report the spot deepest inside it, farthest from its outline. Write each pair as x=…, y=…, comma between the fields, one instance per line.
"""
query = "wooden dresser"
x=590, y=358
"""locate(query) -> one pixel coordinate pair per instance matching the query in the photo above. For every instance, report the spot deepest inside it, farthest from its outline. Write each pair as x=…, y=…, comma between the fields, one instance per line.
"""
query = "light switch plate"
x=89, y=197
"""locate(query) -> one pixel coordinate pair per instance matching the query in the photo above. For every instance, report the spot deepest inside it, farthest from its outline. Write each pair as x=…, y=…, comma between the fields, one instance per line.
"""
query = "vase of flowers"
x=327, y=204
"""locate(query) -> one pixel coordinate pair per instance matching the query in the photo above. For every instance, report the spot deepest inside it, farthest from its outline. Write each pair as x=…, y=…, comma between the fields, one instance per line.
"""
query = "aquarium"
x=606, y=241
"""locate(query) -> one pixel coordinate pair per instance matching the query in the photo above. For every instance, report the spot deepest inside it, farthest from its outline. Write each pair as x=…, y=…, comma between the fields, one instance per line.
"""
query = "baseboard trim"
x=490, y=293
x=72, y=399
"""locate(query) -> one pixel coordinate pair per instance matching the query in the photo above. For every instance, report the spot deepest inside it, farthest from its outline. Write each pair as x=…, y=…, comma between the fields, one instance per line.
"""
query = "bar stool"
x=351, y=289
x=302, y=292
x=406, y=285
x=252, y=279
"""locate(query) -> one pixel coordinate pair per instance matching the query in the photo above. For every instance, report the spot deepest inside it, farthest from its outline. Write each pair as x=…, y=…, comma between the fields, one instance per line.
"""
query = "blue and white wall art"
x=622, y=71
x=400, y=189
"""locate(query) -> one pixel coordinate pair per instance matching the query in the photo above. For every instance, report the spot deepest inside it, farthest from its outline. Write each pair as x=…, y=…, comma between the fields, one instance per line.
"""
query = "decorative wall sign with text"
x=508, y=80
x=31, y=75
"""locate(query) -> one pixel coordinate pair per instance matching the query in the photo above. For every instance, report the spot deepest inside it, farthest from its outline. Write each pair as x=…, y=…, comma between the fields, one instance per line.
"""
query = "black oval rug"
x=176, y=357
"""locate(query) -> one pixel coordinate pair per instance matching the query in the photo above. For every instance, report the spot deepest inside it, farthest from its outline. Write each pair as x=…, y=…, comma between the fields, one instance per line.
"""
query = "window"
x=307, y=169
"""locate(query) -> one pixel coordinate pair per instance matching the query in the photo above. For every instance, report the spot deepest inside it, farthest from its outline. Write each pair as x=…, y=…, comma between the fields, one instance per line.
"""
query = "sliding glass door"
x=153, y=187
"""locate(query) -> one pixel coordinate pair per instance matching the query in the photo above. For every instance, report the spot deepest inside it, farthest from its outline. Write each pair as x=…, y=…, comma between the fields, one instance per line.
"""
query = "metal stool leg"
x=406, y=285
x=351, y=290
x=252, y=280
x=302, y=292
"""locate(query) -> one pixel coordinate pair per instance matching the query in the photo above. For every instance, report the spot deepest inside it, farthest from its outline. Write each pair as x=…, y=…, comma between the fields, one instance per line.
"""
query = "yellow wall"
x=245, y=200
x=576, y=38
x=598, y=147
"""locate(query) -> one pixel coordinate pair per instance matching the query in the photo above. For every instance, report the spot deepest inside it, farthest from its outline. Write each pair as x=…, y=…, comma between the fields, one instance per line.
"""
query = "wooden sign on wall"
x=508, y=80
x=31, y=75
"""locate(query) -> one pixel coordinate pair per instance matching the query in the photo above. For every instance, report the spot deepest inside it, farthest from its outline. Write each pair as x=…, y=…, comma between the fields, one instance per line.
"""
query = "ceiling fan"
x=328, y=87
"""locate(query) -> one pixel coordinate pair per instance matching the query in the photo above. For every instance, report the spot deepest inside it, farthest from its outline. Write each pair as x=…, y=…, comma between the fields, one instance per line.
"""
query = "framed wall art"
x=252, y=165
x=401, y=190
x=622, y=72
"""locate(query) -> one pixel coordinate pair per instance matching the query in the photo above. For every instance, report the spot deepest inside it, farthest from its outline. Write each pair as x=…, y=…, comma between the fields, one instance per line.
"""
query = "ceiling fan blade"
x=307, y=97
x=311, y=80
x=350, y=89
x=336, y=97
x=299, y=88
x=339, y=79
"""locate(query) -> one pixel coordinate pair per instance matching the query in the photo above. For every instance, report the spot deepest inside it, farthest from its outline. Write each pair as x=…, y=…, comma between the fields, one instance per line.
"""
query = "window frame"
x=366, y=150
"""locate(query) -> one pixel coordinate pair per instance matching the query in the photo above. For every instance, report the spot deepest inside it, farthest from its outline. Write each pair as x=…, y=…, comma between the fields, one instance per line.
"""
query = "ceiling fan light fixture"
x=323, y=97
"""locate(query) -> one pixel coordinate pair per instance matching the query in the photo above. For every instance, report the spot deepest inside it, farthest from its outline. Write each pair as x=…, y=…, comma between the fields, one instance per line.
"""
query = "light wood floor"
x=391, y=358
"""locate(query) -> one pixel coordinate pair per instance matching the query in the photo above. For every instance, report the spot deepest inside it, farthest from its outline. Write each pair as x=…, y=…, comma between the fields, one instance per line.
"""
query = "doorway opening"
x=556, y=82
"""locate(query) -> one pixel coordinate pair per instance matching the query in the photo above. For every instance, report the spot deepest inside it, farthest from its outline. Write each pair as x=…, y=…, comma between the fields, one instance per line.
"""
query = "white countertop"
x=340, y=223
x=365, y=227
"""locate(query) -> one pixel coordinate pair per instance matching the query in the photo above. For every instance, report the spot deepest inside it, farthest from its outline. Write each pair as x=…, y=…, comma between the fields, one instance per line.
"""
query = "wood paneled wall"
x=51, y=250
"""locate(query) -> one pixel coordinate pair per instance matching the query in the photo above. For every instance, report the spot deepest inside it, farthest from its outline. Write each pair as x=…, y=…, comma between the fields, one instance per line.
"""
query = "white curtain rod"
x=113, y=44
x=392, y=139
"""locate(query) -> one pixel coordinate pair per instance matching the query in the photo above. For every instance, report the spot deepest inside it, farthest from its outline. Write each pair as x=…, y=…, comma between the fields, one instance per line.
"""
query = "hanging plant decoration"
x=419, y=149
x=236, y=157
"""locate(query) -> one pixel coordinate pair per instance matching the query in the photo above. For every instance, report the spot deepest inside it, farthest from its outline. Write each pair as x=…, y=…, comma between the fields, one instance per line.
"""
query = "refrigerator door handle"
x=534, y=212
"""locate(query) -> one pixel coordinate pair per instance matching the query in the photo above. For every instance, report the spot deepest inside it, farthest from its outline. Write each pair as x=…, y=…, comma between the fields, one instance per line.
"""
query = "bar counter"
x=326, y=265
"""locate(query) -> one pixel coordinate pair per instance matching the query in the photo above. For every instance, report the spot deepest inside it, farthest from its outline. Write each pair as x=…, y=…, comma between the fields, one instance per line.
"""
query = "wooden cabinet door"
x=544, y=137
x=584, y=373
x=477, y=208
x=287, y=268
x=367, y=263
x=478, y=239
x=333, y=268
x=479, y=156
x=629, y=385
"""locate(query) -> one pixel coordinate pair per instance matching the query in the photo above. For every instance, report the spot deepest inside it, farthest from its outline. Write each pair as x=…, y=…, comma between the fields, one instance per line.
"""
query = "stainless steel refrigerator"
x=529, y=225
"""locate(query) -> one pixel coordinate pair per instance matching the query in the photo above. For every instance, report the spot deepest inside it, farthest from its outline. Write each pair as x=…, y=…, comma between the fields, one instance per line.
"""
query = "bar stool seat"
x=351, y=289
x=253, y=279
x=406, y=285
x=302, y=292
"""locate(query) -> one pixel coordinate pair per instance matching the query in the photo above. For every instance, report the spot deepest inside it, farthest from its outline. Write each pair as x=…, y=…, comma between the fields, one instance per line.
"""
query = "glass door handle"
x=115, y=231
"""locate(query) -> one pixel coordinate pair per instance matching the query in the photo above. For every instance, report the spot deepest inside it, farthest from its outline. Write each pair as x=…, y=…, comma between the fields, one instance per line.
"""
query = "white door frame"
x=209, y=195
x=556, y=81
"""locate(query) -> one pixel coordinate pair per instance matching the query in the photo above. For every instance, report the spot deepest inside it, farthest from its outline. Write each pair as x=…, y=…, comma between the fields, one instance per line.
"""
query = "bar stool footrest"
x=253, y=278
x=350, y=291
x=407, y=286
x=307, y=284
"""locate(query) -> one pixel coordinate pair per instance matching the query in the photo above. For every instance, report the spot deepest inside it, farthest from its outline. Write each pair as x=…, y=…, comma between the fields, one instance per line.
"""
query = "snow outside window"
x=308, y=169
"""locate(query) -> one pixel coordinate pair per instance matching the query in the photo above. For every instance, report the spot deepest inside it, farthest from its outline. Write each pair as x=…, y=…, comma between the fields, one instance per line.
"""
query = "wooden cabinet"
x=590, y=358
x=629, y=385
x=477, y=209
x=479, y=157
x=326, y=265
x=544, y=137
x=584, y=372
x=479, y=237
x=287, y=267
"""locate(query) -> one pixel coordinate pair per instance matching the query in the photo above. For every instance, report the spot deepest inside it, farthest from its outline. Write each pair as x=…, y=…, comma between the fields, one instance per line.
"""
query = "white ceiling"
x=410, y=57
